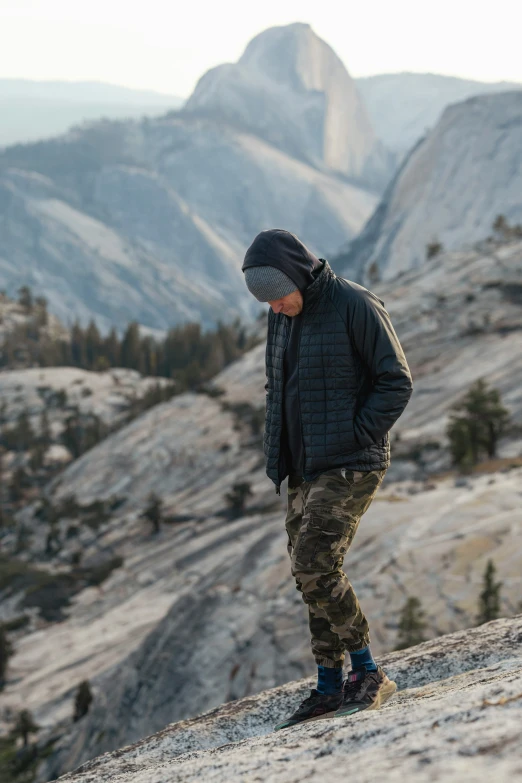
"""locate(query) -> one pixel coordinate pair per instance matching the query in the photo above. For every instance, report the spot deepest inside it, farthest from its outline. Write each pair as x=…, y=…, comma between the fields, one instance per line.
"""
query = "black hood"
x=279, y=248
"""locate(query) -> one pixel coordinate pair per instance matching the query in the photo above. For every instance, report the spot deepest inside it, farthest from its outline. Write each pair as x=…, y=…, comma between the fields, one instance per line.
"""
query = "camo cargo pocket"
x=323, y=541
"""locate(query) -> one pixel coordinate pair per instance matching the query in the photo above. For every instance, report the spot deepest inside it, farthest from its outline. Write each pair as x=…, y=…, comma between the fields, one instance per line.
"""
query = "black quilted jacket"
x=354, y=381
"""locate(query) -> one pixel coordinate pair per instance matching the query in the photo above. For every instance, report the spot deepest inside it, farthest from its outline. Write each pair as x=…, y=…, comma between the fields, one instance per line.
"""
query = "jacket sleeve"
x=379, y=348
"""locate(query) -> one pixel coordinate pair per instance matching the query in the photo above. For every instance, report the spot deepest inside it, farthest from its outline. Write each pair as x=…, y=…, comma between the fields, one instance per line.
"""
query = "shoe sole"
x=385, y=693
x=307, y=720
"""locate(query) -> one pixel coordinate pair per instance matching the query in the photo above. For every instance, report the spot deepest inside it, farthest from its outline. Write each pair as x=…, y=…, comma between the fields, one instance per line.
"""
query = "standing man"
x=337, y=381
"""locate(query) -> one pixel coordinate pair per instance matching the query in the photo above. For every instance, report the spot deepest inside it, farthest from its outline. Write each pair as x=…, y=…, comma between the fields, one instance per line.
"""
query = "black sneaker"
x=315, y=707
x=365, y=690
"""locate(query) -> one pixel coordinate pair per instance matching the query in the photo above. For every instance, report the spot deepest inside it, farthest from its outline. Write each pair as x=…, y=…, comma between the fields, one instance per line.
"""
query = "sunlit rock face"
x=291, y=89
x=449, y=190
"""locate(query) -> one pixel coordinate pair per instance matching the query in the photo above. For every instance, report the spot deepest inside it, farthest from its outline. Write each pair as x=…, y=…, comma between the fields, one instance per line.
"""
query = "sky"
x=166, y=45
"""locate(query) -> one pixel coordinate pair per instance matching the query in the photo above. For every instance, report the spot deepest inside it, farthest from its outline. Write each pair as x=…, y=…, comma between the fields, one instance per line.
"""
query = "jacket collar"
x=316, y=289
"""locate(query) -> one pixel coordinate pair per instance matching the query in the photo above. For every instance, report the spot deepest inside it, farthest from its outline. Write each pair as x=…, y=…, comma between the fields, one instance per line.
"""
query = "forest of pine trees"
x=187, y=354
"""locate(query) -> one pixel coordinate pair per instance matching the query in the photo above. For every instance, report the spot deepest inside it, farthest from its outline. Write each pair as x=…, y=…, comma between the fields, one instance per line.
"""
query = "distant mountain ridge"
x=404, y=106
x=33, y=110
x=149, y=220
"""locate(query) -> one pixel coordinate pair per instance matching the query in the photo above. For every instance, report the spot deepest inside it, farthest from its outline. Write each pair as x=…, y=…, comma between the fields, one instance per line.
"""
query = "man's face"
x=291, y=304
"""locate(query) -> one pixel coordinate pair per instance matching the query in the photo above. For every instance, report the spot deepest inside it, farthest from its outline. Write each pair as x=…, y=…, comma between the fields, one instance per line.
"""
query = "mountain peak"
x=291, y=89
x=293, y=55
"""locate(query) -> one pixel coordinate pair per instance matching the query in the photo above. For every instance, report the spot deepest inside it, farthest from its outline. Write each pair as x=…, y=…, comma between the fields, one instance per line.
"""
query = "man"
x=337, y=381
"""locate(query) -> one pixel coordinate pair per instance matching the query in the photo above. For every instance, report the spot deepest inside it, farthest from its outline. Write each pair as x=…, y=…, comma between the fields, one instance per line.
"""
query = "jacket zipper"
x=278, y=485
x=299, y=397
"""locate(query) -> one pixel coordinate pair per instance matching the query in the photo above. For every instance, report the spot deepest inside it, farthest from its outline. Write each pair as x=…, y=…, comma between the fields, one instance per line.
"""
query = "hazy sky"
x=167, y=45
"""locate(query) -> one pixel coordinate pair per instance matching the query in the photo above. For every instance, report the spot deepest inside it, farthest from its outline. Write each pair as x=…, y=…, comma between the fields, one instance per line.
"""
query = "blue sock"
x=363, y=659
x=329, y=680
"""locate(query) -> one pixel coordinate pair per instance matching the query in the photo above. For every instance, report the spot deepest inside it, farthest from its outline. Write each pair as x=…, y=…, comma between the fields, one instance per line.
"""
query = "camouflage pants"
x=321, y=522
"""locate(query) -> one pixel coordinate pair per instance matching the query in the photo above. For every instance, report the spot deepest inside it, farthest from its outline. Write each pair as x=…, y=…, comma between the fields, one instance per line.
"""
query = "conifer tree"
x=154, y=511
x=92, y=345
x=36, y=458
x=42, y=316
x=23, y=432
x=433, y=249
x=236, y=499
x=6, y=650
x=476, y=424
x=489, y=599
x=45, y=429
x=82, y=700
x=111, y=348
x=72, y=436
x=2, y=515
x=24, y=726
x=25, y=298
x=411, y=624
x=19, y=483
x=130, y=347
x=77, y=345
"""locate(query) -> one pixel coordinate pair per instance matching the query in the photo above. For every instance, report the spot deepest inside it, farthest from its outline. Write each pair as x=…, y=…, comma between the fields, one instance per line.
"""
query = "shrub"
x=236, y=499
x=411, y=624
x=82, y=700
x=489, y=599
x=433, y=249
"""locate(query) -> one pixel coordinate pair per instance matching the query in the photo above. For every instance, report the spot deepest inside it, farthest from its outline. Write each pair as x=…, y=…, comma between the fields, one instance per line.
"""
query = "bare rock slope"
x=450, y=188
x=456, y=718
x=459, y=319
x=213, y=594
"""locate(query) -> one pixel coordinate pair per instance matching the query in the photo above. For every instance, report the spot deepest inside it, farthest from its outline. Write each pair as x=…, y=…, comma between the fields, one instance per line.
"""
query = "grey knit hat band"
x=268, y=283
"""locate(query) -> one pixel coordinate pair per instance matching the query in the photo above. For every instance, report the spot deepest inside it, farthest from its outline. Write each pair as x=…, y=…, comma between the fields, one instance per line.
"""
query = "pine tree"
x=489, y=599
x=411, y=624
x=476, y=424
x=72, y=436
x=2, y=514
x=25, y=298
x=77, y=344
x=36, y=457
x=6, y=650
x=42, y=316
x=236, y=499
x=154, y=511
x=19, y=483
x=433, y=249
x=130, y=347
x=44, y=429
x=82, y=700
x=24, y=726
x=23, y=432
x=111, y=348
x=93, y=345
